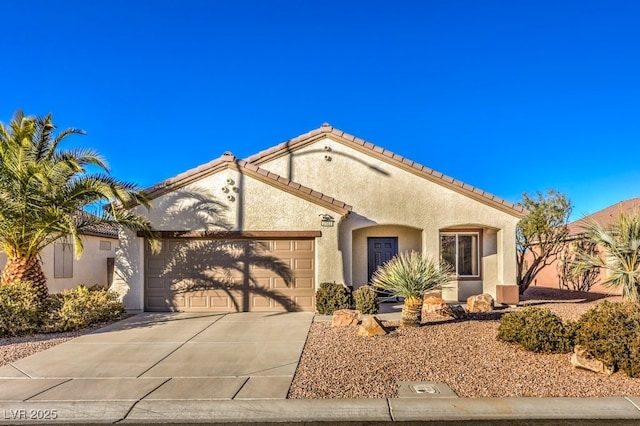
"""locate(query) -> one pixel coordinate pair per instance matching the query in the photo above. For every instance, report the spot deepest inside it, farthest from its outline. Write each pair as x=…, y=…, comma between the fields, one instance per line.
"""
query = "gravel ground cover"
x=464, y=354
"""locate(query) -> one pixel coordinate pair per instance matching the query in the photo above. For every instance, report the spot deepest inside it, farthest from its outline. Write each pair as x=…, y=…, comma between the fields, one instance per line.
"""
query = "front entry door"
x=380, y=250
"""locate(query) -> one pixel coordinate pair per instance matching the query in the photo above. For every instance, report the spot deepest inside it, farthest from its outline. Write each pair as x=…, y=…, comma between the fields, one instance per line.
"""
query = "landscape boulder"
x=371, y=326
x=480, y=303
x=345, y=318
x=580, y=359
x=433, y=305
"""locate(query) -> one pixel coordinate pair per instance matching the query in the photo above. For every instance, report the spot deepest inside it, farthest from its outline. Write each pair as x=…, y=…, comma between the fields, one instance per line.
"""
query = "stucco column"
x=128, y=279
x=507, y=288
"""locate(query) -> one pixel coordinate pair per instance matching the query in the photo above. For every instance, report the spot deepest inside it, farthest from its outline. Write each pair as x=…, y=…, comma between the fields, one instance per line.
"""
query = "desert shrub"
x=570, y=271
x=81, y=307
x=366, y=300
x=20, y=309
x=537, y=330
x=330, y=297
x=610, y=332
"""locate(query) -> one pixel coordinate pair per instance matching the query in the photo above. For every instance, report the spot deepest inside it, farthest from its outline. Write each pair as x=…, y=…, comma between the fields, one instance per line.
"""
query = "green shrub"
x=330, y=297
x=20, y=309
x=366, y=300
x=537, y=330
x=610, y=332
x=81, y=307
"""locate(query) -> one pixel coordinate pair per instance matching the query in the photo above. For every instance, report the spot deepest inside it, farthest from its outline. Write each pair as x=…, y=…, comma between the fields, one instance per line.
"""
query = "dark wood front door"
x=380, y=250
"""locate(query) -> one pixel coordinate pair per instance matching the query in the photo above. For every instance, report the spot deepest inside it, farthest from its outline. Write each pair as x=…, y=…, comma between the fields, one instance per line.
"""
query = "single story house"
x=263, y=233
x=551, y=276
x=94, y=267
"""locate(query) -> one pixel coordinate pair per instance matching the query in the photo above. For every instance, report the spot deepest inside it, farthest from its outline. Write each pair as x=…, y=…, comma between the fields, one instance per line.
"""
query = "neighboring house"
x=328, y=207
x=95, y=266
x=550, y=275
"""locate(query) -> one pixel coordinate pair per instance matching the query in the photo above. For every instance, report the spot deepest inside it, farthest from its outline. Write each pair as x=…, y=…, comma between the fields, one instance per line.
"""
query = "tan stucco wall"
x=385, y=199
x=382, y=194
x=255, y=206
x=408, y=239
x=90, y=269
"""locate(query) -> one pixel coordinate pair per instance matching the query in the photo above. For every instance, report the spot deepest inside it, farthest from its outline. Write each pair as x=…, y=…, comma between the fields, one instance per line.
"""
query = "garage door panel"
x=304, y=245
x=198, y=302
x=155, y=282
x=184, y=262
x=303, y=283
x=220, y=301
x=303, y=264
x=282, y=245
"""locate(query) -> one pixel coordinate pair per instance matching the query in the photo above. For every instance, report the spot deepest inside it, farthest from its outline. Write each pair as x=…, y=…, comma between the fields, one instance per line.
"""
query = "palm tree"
x=47, y=194
x=620, y=245
x=409, y=275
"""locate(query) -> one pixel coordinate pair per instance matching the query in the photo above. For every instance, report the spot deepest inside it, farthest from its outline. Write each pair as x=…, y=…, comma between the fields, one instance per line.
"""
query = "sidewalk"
x=236, y=368
x=529, y=411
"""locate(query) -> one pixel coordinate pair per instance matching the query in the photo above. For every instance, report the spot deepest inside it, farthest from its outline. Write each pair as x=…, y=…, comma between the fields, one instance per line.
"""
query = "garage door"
x=231, y=275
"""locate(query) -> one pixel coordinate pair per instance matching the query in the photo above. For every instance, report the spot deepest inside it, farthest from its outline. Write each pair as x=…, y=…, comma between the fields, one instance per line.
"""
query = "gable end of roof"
x=361, y=145
x=228, y=161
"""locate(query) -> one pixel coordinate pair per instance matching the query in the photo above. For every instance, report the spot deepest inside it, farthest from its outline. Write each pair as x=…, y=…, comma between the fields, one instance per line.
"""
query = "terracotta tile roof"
x=95, y=229
x=326, y=130
x=228, y=160
x=605, y=216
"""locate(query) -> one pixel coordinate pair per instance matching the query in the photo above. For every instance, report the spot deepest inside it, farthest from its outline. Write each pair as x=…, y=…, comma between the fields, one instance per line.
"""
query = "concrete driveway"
x=172, y=356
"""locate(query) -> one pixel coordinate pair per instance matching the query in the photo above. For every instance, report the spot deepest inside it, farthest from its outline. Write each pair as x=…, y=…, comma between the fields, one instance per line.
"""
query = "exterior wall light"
x=326, y=220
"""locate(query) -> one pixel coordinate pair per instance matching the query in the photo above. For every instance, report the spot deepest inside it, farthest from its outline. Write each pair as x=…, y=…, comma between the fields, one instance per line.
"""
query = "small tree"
x=409, y=275
x=540, y=235
x=46, y=193
x=620, y=244
x=571, y=277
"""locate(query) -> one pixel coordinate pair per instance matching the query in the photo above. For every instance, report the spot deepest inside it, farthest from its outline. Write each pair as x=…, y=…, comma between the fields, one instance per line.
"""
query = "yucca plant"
x=409, y=275
x=620, y=245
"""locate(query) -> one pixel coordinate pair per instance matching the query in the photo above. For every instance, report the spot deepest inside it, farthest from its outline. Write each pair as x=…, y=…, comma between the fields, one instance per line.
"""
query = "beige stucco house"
x=94, y=267
x=262, y=233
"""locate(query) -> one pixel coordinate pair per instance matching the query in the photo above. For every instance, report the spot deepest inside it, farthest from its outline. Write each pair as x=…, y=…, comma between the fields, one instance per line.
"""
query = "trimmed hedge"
x=22, y=312
x=610, y=332
x=331, y=297
x=81, y=307
x=538, y=330
x=366, y=300
x=20, y=309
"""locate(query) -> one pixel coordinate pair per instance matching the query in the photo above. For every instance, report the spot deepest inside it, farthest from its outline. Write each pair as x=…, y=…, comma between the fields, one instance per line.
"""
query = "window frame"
x=462, y=232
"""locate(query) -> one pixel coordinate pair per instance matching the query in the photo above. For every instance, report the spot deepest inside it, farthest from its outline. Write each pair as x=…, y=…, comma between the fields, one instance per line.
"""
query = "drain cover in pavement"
x=425, y=390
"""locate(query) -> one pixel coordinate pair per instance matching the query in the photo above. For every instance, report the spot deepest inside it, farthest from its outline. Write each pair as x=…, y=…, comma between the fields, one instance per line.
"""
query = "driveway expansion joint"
x=180, y=346
x=141, y=398
x=632, y=403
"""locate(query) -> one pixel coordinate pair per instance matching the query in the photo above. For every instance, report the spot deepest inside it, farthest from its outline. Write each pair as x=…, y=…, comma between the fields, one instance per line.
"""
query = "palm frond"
x=44, y=189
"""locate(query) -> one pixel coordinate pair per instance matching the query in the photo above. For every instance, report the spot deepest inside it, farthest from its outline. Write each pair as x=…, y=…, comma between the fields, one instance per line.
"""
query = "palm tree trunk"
x=25, y=269
x=411, y=311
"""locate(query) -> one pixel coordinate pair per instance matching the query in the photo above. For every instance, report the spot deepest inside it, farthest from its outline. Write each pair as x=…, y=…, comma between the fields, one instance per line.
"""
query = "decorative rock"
x=371, y=326
x=580, y=359
x=454, y=311
x=433, y=305
x=345, y=318
x=480, y=303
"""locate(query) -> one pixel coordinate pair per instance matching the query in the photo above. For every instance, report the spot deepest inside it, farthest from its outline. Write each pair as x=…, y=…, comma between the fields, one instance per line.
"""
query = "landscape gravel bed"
x=464, y=354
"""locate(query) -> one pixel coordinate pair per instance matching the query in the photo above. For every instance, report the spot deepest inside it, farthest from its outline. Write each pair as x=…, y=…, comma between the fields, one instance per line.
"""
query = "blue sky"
x=508, y=96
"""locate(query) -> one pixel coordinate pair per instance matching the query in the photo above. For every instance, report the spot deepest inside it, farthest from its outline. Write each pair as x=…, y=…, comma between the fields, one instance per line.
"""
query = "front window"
x=461, y=251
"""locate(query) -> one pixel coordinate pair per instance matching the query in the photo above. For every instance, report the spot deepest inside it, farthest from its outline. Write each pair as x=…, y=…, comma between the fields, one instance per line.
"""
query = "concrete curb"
x=529, y=411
